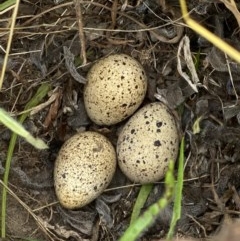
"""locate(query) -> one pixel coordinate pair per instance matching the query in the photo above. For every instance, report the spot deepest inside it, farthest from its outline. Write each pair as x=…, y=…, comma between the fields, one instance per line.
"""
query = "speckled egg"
x=83, y=169
x=116, y=86
x=147, y=143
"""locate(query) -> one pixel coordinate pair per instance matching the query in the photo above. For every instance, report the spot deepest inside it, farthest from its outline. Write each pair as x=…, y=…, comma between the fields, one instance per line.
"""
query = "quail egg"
x=116, y=86
x=147, y=143
x=83, y=169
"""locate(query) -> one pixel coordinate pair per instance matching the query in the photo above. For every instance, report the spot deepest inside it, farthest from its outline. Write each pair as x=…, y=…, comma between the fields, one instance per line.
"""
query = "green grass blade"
x=6, y=4
x=37, y=98
x=5, y=180
x=41, y=93
x=141, y=199
x=177, y=208
x=18, y=129
x=150, y=215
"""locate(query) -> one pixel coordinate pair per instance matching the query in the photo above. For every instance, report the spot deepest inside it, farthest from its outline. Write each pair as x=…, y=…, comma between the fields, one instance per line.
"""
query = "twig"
x=114, y=13
x=29, y=210
x=144, y=27
x=78, y=9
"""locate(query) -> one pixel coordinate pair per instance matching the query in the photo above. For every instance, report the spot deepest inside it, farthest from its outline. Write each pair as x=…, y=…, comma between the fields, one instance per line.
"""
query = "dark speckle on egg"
x=157, y=143
x=159, y=124
x=132, y=131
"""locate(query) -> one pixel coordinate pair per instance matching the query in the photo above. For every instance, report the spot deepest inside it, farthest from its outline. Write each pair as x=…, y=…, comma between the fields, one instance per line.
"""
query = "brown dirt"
x=212, y=183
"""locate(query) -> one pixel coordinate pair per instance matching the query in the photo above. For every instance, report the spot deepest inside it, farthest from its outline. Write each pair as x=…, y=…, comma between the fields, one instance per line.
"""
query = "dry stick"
x=26, y=207
x=46, y=11
x=14, y=16
x=78, y=9
x=110, y=38
x=113, y=24
x=114, y=13
x=161, y=38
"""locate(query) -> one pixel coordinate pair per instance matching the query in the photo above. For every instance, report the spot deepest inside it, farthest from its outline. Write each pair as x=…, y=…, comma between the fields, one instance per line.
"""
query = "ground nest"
x=56, y=43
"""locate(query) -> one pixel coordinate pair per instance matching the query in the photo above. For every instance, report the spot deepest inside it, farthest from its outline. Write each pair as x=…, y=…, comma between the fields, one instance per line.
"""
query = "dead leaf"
x=184, y=46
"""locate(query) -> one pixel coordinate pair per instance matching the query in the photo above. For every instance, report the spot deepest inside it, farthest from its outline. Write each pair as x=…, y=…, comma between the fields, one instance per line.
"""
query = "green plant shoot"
x=37, y=98
x=150, y=215
x=17, y=128
x=177, y=208
x=141, y=199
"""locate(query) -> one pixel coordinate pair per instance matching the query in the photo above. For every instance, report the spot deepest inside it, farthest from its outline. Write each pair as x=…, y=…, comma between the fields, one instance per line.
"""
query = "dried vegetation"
x=57, y=42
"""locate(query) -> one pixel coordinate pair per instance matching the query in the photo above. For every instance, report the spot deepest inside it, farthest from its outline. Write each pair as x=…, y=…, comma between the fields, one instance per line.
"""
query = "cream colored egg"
x=147, y=143
x=116, y=86
x=83, y=169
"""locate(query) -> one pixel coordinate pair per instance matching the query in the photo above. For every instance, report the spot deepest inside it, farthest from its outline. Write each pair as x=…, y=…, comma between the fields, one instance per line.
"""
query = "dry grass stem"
x=78, y=9
x=55, y=43
x=39, y=221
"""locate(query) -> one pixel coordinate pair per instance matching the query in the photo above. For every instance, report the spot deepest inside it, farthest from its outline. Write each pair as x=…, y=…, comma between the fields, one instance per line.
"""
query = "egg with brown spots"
x=83, y=169
x=147, y=143
x=116, y=86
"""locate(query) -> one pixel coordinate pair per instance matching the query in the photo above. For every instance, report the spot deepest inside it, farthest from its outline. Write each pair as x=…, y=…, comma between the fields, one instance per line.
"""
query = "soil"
x=153, y=33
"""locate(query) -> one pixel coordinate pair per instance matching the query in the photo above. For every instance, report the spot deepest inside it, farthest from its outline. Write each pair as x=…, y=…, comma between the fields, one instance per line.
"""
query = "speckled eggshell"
x=116, y=86
x=147, y=143
x=83, y=169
